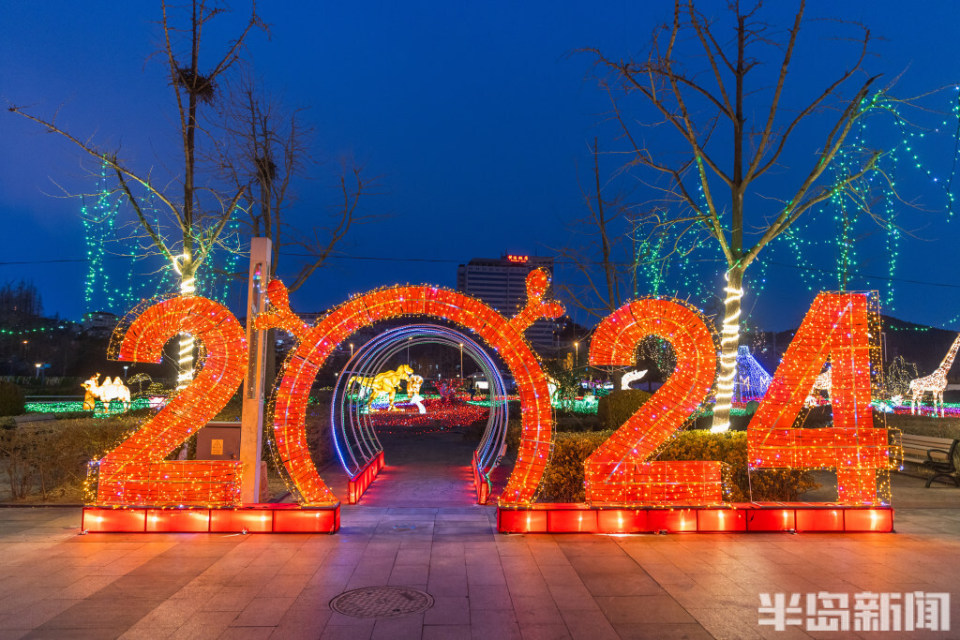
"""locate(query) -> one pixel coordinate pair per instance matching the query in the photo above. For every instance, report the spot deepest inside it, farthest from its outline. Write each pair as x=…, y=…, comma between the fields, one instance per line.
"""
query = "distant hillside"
x=922, y=345
x=926, y=346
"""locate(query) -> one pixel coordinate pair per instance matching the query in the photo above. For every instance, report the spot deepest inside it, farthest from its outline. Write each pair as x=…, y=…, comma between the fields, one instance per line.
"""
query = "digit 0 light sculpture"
x=316, y=343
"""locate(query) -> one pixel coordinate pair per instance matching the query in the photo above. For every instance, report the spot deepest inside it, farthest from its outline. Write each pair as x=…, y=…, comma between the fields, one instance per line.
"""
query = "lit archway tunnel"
x=352, y=423
x=316, y=343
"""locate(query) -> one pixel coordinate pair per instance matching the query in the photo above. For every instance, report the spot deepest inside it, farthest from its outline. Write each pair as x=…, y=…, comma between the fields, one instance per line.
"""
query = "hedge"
x=12, y=399
x=563, y=478
x=614, y=409
x=51, y=456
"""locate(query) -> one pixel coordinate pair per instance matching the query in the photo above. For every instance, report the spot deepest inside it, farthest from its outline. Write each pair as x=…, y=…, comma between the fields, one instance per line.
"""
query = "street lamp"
x=461, y=360
x=39, y=367
x=351, y=349
x=125, y=367
x=576, y=360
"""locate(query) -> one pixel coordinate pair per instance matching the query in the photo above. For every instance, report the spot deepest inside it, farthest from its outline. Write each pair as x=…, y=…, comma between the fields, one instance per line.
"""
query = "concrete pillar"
x=251, y=429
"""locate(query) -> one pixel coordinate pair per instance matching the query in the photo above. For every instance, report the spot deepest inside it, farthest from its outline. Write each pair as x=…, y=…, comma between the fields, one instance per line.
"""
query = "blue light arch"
x=354, y=437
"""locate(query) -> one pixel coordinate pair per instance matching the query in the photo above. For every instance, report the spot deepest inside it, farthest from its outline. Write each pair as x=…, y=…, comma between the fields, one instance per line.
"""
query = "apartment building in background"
x=501, y=283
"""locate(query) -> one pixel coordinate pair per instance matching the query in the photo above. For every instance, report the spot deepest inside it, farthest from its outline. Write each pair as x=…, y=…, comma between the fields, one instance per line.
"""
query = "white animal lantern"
x=935, y=383
x=631, y=376
x=110, y=390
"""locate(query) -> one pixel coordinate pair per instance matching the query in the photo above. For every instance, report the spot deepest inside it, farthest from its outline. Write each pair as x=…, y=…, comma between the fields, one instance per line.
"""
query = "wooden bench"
x=933, y=453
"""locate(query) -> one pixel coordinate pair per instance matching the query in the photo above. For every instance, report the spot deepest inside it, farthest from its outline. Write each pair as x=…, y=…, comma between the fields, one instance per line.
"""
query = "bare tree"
x=266, y=148
x=194, y=220
x=695, y=79
x=602, y=231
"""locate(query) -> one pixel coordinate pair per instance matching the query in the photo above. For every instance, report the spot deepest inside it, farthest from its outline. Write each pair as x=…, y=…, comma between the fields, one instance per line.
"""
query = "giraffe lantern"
x=935, y=383
x=824, y=382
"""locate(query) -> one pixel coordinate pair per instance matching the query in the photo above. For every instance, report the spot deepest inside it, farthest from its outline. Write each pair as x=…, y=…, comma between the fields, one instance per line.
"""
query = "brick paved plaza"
x=59, y=584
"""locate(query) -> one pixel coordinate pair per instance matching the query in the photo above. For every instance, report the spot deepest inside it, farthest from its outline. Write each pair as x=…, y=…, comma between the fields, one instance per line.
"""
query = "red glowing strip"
x=481, y=481
x=618, y=471
x=740, y=518
x=272, y=518
x=358, y=484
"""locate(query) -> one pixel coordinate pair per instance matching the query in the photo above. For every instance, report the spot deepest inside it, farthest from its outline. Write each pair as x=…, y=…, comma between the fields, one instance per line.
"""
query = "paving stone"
x=445, y=632
x=661, y=631
x=448, y=610
x=643, y=609
x=56, y=584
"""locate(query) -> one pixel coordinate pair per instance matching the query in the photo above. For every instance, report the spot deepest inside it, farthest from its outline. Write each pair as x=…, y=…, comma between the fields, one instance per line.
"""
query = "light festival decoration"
x=627, y=489
x=620, y=470
x=99, y=228
x=106, y=393
x=135, y=473
x=844, y=328
x=752, y=379
x=315, y=344
x=630, y=377
x=355, y=428
x=877, y=199
x=935, y=383
x=117, y=288
x=823, y=382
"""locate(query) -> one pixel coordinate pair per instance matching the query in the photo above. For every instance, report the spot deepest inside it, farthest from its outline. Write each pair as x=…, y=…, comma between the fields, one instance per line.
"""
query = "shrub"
x=563, y=478
x=614, y=409
x=11, y=399
x=569, y=421
x=920, y=425
x=514, y=426
x=762, y=485
x=52, y=456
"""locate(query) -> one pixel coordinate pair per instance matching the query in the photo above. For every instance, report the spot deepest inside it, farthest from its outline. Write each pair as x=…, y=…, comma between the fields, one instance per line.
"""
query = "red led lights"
x=619, y=472
x=135, y=472
x=318, y=342
x=843, y=327
x=626, y=487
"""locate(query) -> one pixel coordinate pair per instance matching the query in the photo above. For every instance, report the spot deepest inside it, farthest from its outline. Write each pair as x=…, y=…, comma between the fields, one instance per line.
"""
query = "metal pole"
x=251, y=426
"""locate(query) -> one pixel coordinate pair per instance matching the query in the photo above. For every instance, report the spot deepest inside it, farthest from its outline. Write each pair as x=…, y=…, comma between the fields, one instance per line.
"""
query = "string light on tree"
x=729, y=339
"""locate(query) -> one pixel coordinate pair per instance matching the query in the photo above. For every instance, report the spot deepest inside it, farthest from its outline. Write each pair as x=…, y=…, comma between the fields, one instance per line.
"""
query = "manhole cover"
x=381, y=602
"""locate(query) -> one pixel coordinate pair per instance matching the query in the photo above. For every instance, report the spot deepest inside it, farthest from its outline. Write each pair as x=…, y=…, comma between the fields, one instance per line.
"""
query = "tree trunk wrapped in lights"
x=725, y=138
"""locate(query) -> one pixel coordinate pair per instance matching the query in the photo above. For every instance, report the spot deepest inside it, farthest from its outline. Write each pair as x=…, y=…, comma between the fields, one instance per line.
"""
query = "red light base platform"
x=257, y=518
x=740, y=517
x=358, y=484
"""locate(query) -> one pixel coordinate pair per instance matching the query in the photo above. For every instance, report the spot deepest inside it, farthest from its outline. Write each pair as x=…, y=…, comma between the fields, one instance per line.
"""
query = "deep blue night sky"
x=477, y=117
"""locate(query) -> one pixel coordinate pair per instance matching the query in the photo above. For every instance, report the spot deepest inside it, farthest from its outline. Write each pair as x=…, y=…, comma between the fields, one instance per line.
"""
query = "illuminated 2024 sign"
x=839, y=326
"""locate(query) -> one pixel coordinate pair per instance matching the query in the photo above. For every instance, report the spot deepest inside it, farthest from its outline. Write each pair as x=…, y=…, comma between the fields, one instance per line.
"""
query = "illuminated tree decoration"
x=315, y=344
x=118, y=289
x=135, y=473
x=934, y=384
x=619, y=472
x=844, y=327
x=752, y=379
